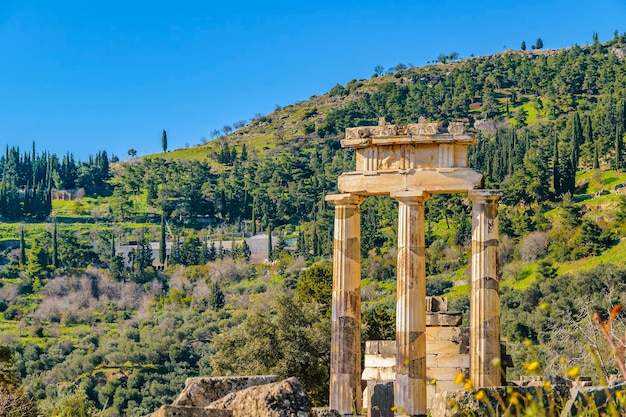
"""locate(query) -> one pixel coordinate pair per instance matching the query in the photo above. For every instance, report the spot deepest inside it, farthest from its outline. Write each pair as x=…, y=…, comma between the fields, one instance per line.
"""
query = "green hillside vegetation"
x=88, y=324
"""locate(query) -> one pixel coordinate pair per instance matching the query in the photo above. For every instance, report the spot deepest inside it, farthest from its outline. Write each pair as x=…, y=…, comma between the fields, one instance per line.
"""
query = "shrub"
x=308, y=128
x=15, y=403
x=437, y=286
x=533, y=246
x=13, y=313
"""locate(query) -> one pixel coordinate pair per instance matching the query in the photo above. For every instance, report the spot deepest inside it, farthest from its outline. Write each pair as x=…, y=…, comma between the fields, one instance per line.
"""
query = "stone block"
x=431, y=360
x=379, y=374
x=461, y=402
x=173, y=411
x=202, y=391
x=444, y=374
x=444, y=319
x=443, y=386
x=380, y=399
x=454, y=334
x=380, y=361
x=324, y=412
x=371, y=347
x=285, y=398
x=452, y=361
x=431, y=390
x=442, y=347
x=439, y=180
x=387, y=347
x=436, y=304
x=370, y=374
x=450, y=319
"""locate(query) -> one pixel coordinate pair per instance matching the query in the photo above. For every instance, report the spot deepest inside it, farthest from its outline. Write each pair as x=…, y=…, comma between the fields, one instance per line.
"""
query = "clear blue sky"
x=87, y=75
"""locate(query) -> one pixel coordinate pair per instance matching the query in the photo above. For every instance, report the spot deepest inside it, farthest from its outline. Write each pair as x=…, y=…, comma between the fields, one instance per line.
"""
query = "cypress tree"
x=164, y=141
x=270, y=248
x=618, y=148
x=245, y=250
x=28, y=211
x=589, y=130
x=22, y=248
x=55, y=246
x=203, y=258
x=301, y=243
x=216, y=296
x=577, y=139
x=234, y=249
x=253, y=217
x=569, y=178
x=212, y=251
x=162, y=247
x=316, y=243
x=578, y=130
x=596, y=160
x=556, y=173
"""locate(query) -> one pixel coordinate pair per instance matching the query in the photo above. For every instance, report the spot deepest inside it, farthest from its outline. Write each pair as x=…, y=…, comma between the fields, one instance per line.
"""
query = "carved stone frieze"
x=456, y=128
x=422, y=129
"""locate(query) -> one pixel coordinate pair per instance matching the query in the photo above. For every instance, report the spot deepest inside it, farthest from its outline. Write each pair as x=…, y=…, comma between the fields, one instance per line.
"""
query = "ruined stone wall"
x=447, y=353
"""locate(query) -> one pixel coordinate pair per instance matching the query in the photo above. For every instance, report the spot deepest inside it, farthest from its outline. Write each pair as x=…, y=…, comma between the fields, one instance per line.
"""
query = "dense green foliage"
x=35, y=175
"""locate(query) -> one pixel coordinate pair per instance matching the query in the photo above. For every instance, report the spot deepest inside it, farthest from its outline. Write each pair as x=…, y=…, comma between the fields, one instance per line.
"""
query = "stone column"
x=484, y=297
x=410, y=384
x=345, y=349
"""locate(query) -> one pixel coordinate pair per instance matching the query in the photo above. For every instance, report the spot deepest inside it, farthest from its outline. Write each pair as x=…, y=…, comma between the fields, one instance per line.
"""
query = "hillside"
x=89, y=326
x=502, y=76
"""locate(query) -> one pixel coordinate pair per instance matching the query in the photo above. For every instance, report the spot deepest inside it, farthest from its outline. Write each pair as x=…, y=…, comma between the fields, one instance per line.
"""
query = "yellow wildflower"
x=459, y=378
x=573, y=372
x=533, y=366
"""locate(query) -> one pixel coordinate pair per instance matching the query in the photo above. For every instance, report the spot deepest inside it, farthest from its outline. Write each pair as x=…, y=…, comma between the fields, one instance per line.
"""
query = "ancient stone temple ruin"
x=410, y=163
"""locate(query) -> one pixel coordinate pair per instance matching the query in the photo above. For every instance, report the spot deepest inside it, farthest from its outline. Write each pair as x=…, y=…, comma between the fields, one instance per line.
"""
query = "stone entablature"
x=388, y=147
x=416, y=156
x=413, y=131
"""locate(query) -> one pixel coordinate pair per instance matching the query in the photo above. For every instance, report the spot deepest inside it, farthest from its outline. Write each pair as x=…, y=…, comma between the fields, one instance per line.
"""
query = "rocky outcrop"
x=485, y=125
x=324, y=412
x=244, y=396
x=280, y=399
x=619, y=52
x=595, y=398
x=173, y=411
x=202, y=391
x=457, y=403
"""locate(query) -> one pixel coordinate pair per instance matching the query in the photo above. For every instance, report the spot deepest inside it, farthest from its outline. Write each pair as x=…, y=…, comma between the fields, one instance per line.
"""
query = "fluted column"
x=410, y=383
x=485, y=297
x=345, y=349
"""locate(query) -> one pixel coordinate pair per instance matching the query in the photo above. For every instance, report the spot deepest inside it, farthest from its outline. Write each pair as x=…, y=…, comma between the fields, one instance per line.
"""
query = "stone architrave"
x=410, y=383
x=485, y=298
x=345, y=350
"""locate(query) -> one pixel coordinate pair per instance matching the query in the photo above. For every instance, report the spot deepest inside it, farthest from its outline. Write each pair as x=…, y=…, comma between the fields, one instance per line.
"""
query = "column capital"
x=486, y=196
x=419, y=196
x=345, y=199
